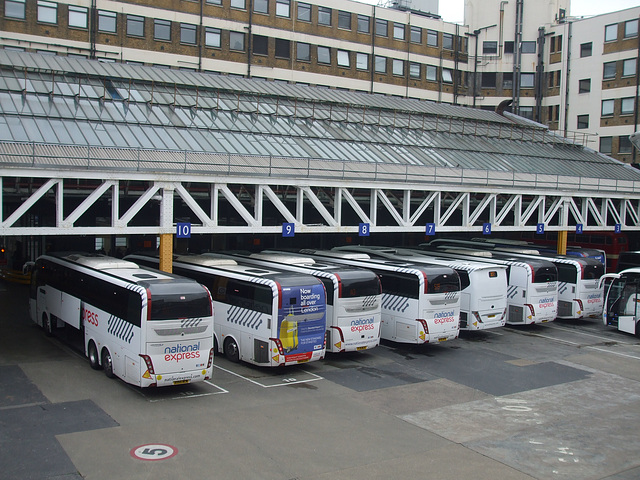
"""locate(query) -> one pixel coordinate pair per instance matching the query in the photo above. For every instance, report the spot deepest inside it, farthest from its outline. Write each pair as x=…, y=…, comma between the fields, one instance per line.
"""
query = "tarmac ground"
x=559, y=400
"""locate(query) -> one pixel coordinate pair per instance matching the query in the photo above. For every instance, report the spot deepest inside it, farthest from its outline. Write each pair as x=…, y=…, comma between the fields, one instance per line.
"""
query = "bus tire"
x=638, y=329
x=107, y=363
x=94, y=359
x=231, y=350
x=215, y=345
x=46, y=325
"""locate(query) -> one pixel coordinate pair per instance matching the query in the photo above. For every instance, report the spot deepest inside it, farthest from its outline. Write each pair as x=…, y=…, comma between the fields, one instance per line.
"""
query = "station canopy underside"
x=104, y=125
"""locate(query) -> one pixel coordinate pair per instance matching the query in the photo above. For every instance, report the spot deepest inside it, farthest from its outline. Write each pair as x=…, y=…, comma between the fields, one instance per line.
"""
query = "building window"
x=236, y=41
x=584, y=85
x=14, y=9
x=362, y=61
x=398, y=31
x=509, y=47
x=447, y=41
x=78, y=17
x=380, y=64
x=490, y=48
x=607, y=107
x=606, y=144
x=324, y=55
x=261, y=6
x=507, y=80
x=324, y=16
x=107, y=21
x=344, y=20
x=488, y=80
x=213, y=37
x=624, y=144
x=447, y=75
x=161, y=29
x=583, y=121
x=188, y=33
x=283, y=8
x=47, y=12
x=303, y=52
x=609, y=70
x=432, y=73
x=586, y=49
x=283, y=48
x=260, y=45
x=528, y=47
x=611, y=33
x=629, y=67
x=214, y=2
x=343, y=59
x=416, y=35
x=397, y=67
x=304, y=12
x=526, y=112
x=432, y=38
x=135, y=26
x=627, y=106
x=382, y=27
x=414, y=70
x=631, y=28
x=462, y=44
x=239, y=4
x=527, y=80
x=364, y=24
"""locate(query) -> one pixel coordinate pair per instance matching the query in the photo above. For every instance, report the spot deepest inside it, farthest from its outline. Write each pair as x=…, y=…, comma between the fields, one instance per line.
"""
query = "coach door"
x=622, y=303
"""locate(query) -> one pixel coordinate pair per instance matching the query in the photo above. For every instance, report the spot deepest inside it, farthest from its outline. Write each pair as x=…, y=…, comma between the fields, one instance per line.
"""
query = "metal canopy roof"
x=62, y=101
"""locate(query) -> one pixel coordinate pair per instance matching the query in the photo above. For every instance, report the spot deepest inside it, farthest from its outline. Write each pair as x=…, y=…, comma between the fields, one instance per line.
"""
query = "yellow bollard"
x=166, y=252
x=562, y=242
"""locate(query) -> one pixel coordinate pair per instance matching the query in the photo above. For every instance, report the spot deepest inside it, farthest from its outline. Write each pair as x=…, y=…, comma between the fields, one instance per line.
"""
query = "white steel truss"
x=86, y=203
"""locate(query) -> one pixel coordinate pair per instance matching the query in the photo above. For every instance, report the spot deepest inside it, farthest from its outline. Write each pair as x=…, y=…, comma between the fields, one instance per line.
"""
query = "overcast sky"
x=453, y=10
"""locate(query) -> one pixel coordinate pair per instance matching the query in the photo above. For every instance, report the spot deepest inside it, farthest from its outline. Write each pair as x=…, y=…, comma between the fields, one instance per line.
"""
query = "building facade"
x=578, y=76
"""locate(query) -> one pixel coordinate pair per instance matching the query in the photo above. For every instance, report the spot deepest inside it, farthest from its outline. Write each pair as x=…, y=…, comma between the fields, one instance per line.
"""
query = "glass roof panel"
x=46, y=130
x=31, y=129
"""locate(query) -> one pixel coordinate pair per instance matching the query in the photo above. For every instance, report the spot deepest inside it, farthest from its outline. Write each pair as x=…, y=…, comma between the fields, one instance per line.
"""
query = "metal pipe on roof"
x=635, y=109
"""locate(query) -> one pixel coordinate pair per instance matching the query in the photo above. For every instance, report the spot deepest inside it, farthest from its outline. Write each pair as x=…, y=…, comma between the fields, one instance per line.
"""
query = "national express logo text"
x=547, y=302
x=182, y=352
x=444, y=317
x=362, y=324
x=594, y=298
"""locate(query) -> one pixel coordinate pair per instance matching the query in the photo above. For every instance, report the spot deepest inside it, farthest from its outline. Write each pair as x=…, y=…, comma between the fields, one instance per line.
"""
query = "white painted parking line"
x=615, y=353
x=559, y=340
x=285, y=381
x=195, y=395
x=494, y=331
x=581, y=332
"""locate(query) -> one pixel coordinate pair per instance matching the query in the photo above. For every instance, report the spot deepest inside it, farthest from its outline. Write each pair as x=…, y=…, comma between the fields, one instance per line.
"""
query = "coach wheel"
x=46, y=325
x=231, y=350
x=215, y=346
x=94, y=360
x=107, y=363
x=638, y=329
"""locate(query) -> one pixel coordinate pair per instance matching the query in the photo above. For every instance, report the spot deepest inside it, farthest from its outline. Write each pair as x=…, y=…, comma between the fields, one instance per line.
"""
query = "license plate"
x=491, y=316
x=544, y=321
x=443, y=339
x=361, y=348
x=180, y=382
x=303, y=361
